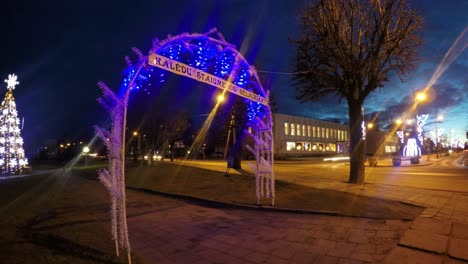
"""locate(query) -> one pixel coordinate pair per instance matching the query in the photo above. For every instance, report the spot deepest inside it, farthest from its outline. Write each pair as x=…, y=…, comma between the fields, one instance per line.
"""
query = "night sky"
x=60, y=50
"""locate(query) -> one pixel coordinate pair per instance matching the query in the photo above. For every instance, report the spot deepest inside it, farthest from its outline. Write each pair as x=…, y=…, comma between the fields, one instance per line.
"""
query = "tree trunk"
x=356, y=172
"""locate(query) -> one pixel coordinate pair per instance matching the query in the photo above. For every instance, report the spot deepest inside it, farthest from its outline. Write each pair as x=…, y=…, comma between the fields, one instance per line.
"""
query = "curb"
x=218, y=204
x=262, y=208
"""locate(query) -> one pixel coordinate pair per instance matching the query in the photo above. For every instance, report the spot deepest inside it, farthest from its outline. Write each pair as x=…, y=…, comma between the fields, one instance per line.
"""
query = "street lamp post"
x=138, y=147
x=85, y=154
x=438, y=118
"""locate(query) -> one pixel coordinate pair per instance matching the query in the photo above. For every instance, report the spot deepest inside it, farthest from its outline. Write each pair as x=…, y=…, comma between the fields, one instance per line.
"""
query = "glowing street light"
x=420, y=97
x=86, y=150
x=220, y=98
x=398, y=121
x=135, y=133
x=370, y=125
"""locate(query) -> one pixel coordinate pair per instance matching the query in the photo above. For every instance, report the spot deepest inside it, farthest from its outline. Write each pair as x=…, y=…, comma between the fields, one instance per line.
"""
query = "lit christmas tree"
x=12, y=158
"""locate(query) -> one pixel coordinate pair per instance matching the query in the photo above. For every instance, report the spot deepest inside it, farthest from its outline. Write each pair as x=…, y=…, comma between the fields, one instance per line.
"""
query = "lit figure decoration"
x=12, y=156
x=421, y=120
x=412, y=149
x=207, y=58
x=401, y=135
x=363, y=128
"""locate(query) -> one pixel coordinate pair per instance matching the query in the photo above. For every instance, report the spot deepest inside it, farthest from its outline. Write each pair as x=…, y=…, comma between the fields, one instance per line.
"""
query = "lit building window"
x=293, y=129
x=303, y=130
x=298, y=146
x=308, y=131
x=318, y=132
x=314, y=147
x=330, y=147
x=298, y=129
x=286, y=128
x=390, y=149
x=290, y=146
x=323, y=132
x=327, y=133
x=314, y=131
x=307, y=146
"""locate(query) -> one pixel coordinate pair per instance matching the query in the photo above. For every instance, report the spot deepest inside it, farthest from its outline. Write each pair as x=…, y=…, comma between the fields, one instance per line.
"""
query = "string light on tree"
x=12, y=156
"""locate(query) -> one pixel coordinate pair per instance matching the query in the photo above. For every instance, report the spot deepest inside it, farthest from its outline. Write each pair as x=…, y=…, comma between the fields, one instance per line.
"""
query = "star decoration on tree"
x=12, y=81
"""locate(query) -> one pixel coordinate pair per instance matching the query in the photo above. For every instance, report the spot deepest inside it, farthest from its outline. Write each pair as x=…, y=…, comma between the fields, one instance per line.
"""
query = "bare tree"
x=175, y=128
x=348, y=48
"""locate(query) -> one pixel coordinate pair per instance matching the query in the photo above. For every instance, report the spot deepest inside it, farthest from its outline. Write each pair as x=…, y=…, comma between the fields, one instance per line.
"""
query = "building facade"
x=301, y=136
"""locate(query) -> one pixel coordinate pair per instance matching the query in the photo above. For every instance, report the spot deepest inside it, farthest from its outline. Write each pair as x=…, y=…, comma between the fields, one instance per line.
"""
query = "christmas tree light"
x=12, y=157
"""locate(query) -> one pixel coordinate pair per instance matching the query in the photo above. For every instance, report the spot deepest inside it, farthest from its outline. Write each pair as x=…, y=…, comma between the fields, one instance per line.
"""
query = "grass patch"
x=55, y=218
x=207, y=184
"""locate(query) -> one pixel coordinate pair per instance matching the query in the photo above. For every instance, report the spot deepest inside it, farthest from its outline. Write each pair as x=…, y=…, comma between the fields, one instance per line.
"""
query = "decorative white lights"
x=12, y=159
x=12, y=81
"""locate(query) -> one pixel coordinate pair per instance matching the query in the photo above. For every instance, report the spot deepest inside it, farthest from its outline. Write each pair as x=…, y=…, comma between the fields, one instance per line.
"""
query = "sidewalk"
x=438, y=235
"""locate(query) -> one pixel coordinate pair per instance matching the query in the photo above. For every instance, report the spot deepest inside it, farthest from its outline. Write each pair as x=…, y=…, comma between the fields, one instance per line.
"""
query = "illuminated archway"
x=207, y=58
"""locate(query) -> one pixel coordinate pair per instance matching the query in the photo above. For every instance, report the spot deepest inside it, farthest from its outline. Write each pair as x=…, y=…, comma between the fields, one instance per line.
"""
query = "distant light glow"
x=336, y=158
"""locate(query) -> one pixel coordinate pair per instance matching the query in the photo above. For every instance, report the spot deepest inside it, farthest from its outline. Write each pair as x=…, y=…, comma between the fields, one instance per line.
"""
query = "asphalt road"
x=438, y=174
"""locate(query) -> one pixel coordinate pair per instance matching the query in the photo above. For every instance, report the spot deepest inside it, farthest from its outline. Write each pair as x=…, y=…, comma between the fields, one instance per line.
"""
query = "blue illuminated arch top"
x=205, y=53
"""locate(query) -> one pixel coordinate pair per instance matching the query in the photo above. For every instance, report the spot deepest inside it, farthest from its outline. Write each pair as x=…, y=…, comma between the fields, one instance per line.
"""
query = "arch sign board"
x=183, y=69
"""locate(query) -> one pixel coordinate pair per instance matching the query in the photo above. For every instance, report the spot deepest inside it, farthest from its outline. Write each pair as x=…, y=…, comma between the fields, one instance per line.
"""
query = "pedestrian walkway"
x=180, y=232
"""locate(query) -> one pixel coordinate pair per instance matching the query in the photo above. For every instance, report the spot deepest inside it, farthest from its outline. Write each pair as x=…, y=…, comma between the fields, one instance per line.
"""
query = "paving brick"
x=302, y=257
x=358, y=236
x=350, y=261
x=397, y=224
x=342, y=249
x=317, y=250
x=432, y=225
x=387, y=234
x=384, y=248
x=276, y=260
x=425, y=241
x=284, y=252
x=458, y=248
x=238, y=251
x=362, y=257
x=326, y=243
x=327, y=259
x=402, y=255
x=365, y=248
x=256, y=257
x=454, y=261
x=460, y=230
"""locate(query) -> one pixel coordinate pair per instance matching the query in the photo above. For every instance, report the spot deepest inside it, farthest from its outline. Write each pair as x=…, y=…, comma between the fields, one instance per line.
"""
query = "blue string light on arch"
x=208, y=52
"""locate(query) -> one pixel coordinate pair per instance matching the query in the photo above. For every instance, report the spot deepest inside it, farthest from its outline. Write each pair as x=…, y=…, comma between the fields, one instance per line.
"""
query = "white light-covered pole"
x=122, y=160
